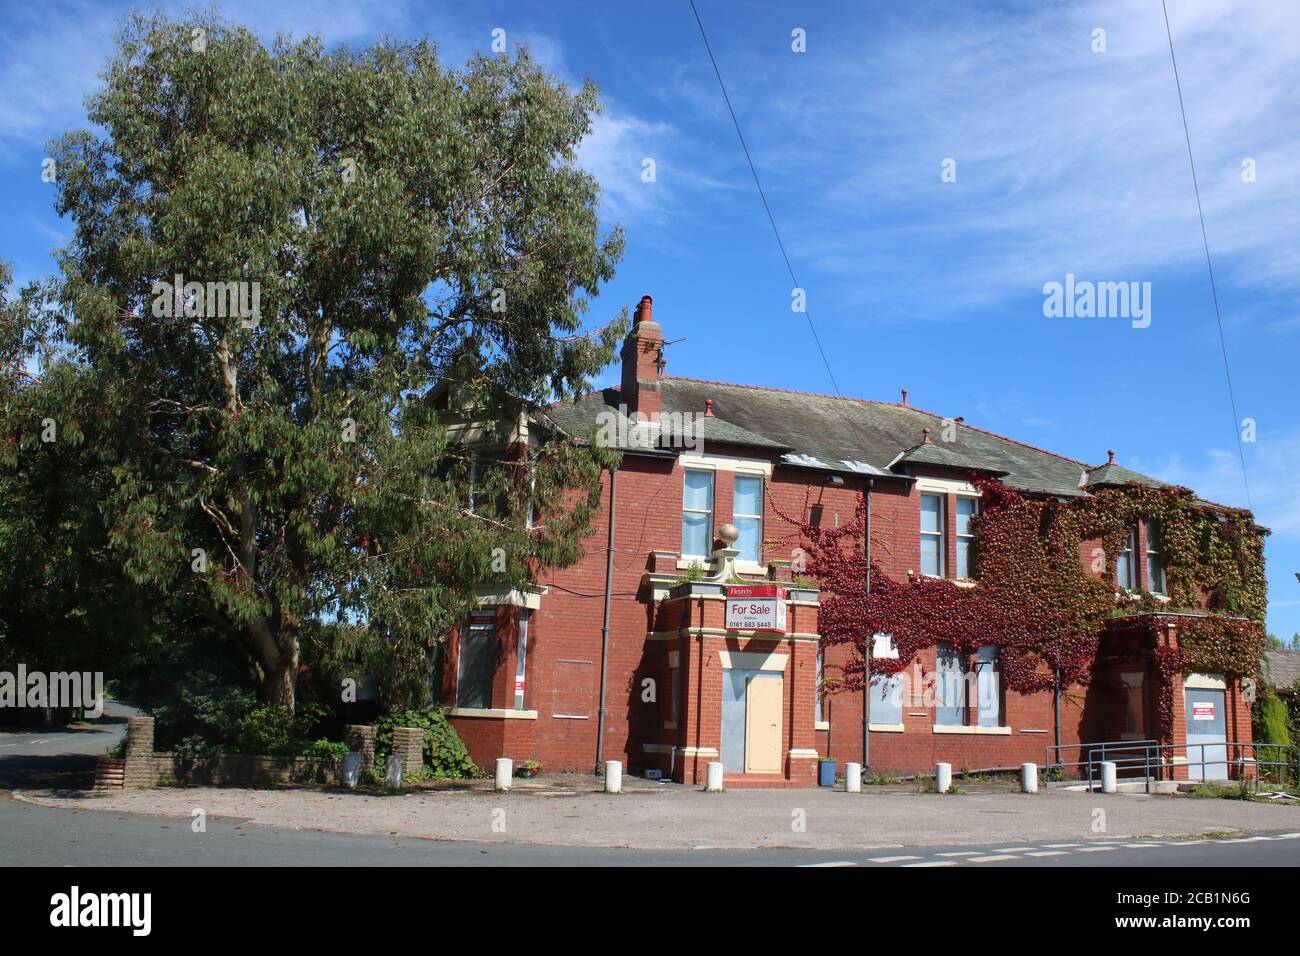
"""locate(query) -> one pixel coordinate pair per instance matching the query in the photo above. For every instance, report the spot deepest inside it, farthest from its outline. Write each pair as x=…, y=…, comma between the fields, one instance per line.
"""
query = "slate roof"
x=847, y=435
x=1283, y=668
x=1113, y=475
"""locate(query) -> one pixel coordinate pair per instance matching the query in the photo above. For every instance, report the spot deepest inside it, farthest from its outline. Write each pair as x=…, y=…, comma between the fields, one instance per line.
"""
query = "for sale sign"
x=1203, y=711
x=756, y=607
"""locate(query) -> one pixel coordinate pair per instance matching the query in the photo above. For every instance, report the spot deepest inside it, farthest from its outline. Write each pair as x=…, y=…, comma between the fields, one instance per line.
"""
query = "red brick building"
x=636, y=637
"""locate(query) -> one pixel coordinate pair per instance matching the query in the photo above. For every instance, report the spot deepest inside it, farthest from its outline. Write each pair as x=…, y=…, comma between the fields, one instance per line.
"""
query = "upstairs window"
x=1124, y=564
x=697, y=514
x=1155, y=560
x=967, y=508
x=932, y=535
x=747, y=515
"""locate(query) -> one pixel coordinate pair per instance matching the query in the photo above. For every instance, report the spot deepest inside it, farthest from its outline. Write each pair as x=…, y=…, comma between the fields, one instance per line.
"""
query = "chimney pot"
x=925, y=436
x=708, y=408
x=1111, y=454
x=904, y=398
x=643, y=363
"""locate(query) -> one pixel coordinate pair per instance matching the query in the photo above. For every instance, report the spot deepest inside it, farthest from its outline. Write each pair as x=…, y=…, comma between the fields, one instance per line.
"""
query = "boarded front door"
x=763, y=724
x=1207, y=751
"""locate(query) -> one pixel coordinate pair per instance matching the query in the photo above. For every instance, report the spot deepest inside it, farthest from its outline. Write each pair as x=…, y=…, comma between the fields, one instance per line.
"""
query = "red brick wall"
x=567, y=629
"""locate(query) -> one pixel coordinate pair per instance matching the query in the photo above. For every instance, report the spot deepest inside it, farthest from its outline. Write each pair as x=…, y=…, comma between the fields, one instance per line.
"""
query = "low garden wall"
x=142, y=767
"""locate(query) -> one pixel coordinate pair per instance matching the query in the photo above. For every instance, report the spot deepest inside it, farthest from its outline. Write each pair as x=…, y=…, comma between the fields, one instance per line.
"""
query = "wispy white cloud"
x=1273, y=465
x=1067, y=160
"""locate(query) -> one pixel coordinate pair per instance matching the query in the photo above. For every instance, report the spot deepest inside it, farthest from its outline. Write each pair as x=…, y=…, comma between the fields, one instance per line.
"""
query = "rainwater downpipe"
x=866, y=687
x=604, y=629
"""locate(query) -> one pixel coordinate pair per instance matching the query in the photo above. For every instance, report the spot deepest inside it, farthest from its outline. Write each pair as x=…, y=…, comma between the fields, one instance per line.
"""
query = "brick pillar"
x=139, y=752
x=361, y=738
x=409, y=743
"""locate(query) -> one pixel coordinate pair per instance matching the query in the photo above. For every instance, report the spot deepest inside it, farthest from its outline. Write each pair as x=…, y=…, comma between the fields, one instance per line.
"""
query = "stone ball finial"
x=728, y=534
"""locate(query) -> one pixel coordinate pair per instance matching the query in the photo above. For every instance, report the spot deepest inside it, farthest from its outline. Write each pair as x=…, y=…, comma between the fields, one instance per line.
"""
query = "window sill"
x=821, y=725
x=966, y=729
x=885, y=728
x=500, y=713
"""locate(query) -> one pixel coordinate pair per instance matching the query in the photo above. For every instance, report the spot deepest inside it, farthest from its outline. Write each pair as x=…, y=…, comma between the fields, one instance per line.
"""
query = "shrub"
x=276, y=732
x=445, y=755
x=325, y=749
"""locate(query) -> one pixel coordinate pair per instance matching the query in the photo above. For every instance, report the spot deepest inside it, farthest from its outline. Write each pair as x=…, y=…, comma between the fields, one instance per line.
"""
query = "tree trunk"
x=277, y=660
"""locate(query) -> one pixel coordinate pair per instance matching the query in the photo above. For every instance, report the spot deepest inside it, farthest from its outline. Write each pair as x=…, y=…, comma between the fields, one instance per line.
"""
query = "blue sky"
x=1067, y=160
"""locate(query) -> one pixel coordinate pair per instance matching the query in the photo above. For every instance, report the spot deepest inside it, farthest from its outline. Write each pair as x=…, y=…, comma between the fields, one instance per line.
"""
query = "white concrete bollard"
x=505, y=774
x=853, y=778
x=613, y=776
x=1108, y=776
x=351, y=768
x=393, y=772
x=942, y=777
x=1029, y=778
x=713, y=783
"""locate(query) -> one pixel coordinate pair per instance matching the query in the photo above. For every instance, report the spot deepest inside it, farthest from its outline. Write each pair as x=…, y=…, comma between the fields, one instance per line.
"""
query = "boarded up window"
x=478, y=661
x=575, y=689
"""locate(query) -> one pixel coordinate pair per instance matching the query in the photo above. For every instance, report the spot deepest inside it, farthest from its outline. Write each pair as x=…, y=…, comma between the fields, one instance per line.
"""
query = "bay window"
x=932, y=535
x=747, y=515
x=1124, y=564
x=697, y=514
x=967, y=508
x=1155, y=560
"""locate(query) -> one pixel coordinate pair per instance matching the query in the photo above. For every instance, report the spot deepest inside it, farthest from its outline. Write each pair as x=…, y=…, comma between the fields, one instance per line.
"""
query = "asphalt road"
x=41, y=836
x=63, y=756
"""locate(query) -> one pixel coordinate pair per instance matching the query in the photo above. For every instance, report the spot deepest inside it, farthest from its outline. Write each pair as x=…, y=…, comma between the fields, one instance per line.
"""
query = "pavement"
x=682, y=818
x=38, y=836
x=49, y=819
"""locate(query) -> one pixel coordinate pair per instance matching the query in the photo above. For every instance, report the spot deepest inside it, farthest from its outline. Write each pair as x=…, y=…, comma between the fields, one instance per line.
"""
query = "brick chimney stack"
x=642, y=355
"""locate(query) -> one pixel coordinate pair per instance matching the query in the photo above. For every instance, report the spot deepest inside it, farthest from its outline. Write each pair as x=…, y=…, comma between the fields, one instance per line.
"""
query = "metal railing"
x=1157, y=761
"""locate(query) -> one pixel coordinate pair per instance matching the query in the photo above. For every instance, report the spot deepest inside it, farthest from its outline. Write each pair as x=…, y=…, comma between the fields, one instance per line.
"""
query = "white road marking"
x=961, y=853
x=892, y=859
x=1062, y=846
x=1015, y=849
x=934, y=863
x=1095, y=849
x=996, y=858
x=835, y=863
x=1048, y=853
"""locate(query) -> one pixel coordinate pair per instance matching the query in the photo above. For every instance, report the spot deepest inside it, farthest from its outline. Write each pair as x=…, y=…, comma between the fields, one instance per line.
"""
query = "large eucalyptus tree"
x=278, y=252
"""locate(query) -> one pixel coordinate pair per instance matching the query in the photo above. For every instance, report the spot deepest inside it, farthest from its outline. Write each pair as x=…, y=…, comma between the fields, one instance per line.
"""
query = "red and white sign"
x=756, y=607
x=1203, y=711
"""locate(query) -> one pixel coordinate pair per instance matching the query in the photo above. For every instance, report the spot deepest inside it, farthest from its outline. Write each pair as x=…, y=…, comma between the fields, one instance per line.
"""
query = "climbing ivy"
x=1042, y=597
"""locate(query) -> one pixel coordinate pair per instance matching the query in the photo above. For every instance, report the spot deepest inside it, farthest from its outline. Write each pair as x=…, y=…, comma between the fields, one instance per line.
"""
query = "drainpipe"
x=604, y=629
x=1056, y=703
x=866, y=687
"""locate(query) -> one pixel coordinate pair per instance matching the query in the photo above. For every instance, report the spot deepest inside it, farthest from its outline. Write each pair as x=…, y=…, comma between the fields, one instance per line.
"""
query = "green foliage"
x=325, y=749
x=284, y=481
x=195, y=685
x=276, y=732
x=1271, y=721
x=445, y=756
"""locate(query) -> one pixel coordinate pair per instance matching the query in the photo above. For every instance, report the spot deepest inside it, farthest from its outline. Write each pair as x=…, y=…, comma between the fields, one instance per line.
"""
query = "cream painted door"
x=763, y=724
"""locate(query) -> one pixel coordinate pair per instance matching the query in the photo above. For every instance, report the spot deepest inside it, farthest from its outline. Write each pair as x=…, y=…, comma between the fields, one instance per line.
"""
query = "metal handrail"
x=1149, y=754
